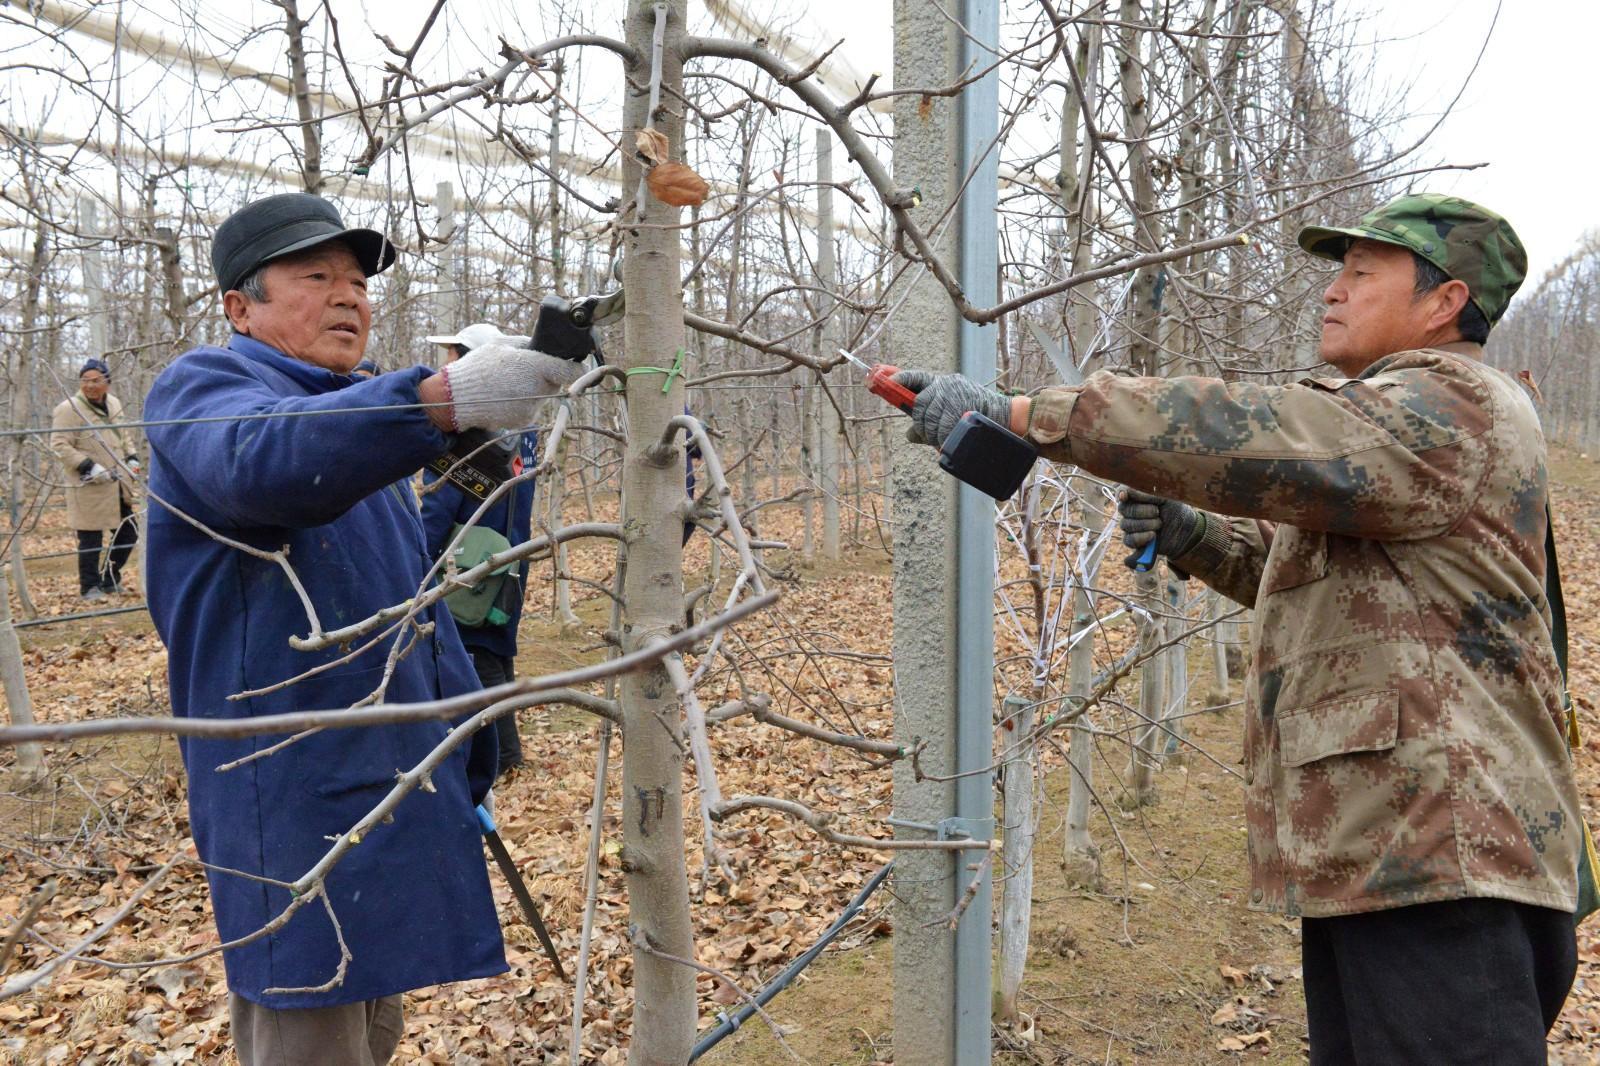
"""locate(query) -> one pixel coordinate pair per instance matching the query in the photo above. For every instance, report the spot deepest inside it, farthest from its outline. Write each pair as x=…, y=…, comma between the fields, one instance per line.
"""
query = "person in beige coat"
x=101, y=465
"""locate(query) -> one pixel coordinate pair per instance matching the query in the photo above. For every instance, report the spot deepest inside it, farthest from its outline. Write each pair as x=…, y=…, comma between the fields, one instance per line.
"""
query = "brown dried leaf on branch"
x=653, y=145
x=676, y=184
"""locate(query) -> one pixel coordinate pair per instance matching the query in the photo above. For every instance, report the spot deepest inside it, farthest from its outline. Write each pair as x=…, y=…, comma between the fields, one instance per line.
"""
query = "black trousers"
x=90, y=573
x=1464, y=982
x=492, y=670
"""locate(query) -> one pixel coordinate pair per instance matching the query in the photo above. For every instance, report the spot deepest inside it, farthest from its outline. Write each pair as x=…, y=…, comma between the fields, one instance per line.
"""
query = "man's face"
x=1372, y=308
x=94, y=385
x=316, y=308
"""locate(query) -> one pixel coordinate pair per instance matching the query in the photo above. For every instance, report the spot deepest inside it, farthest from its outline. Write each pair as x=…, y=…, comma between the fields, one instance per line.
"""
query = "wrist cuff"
x=1197, y=535
x=1206, y=552
x=451, y=414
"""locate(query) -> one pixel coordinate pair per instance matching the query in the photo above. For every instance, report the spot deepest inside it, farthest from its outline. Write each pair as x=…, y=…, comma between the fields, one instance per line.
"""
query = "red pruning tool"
x=881, y=383
x=979, y=451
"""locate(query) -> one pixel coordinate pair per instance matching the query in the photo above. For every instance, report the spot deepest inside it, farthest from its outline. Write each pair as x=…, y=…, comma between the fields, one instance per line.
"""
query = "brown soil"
x=1133, y=973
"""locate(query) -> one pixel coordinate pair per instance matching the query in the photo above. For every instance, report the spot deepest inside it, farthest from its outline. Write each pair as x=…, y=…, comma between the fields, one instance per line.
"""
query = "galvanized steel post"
x=975, y=538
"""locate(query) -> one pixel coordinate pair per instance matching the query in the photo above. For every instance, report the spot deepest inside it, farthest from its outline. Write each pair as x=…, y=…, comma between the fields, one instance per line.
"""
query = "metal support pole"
x=975, y=541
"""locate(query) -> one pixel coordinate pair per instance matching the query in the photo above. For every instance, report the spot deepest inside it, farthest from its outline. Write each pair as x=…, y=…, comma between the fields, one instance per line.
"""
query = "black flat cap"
x=262, y=231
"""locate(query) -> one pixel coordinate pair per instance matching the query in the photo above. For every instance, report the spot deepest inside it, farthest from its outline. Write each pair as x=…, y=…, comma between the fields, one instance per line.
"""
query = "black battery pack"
x=478, y=461
x=987, y=456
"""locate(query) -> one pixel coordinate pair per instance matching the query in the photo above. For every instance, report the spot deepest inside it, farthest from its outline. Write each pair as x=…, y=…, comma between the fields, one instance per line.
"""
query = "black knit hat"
x=262, y=231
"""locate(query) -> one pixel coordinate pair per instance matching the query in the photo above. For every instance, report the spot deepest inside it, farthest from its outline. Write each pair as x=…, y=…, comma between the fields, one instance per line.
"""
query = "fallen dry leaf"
x=1245, y=1041
x=1226, y=1014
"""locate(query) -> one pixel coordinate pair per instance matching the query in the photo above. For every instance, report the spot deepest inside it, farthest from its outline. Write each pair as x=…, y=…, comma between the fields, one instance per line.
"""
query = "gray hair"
x=1471, y=322
x=253, y=286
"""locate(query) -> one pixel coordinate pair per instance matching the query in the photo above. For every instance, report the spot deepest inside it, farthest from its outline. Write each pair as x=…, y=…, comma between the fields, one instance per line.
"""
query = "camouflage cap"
x=1468, y=242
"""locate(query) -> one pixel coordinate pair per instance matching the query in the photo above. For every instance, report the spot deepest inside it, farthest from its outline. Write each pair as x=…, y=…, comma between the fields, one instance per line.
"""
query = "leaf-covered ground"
x=1158, y=963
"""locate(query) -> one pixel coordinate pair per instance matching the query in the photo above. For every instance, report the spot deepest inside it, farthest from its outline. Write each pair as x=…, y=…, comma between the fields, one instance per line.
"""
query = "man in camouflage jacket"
x=1408, y=786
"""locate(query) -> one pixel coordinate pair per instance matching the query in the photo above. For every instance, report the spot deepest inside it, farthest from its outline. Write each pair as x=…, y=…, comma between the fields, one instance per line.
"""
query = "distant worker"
x=487, y=618
x=101, y=464
x=1408, y=786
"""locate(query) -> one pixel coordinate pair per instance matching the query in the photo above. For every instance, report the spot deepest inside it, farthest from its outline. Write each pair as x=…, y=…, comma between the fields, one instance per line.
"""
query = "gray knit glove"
x=942, y=400
x=1175, y=527
x=498, y=386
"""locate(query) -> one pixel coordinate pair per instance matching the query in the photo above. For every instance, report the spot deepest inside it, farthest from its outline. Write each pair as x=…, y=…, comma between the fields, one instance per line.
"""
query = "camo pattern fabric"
x=1403, y=728
x=1468, y=242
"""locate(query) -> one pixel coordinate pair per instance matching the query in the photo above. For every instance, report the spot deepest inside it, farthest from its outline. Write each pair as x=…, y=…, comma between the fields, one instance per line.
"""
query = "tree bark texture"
x=311, y=144
x=652, y=518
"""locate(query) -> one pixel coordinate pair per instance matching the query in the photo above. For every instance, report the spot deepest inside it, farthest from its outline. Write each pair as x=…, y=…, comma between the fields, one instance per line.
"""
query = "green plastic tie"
x=675, y=371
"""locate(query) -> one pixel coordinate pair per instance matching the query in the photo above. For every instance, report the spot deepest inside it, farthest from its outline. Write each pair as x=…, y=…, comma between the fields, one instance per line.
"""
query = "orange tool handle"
x=881, y=383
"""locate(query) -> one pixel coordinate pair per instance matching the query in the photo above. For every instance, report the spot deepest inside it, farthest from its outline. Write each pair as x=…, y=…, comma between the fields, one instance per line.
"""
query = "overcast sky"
x=1528, y=112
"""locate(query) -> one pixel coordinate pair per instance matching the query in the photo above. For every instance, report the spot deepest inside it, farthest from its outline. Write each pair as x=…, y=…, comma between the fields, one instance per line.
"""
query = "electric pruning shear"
x=479, y=461
x=979, y=451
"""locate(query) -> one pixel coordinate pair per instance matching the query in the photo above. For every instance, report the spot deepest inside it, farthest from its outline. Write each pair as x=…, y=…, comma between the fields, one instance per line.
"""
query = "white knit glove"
x=497, y=386
x=96, y=474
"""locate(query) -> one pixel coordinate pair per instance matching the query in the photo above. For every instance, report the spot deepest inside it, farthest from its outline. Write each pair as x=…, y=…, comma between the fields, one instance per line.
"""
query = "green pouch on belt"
x=488, y=602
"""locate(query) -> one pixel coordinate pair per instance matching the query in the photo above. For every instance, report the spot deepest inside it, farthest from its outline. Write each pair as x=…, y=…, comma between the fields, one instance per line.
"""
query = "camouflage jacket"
x=1404, y=736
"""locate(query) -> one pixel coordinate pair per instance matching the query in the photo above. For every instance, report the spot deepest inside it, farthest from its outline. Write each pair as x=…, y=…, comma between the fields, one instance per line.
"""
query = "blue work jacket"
x=445, y=505
x=412, y=899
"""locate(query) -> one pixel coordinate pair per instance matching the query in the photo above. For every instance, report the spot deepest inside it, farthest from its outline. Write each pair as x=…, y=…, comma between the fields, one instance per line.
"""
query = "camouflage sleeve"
x=1396, y=455
x=1230, y=557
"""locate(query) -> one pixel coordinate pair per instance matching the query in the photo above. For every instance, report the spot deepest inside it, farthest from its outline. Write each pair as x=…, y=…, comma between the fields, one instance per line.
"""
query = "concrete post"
x=943, y=562
x=923, y=335
x=94, y=289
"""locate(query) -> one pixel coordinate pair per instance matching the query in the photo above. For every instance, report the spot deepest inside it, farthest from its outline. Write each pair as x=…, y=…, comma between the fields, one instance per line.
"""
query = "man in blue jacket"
x=492, y=645
x=262, y=466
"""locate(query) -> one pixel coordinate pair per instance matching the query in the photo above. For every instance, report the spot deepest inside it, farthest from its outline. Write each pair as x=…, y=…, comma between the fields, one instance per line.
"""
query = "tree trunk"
x=1016, y=856
x=828, y=424
x=1175, y=729
x=808, y=471
x=444, y=203
x=1142, y=357
x=311, y=161
x=1080, y=855
x=1140, y=788
x=30, y=757
x=22, y=404
x=1219, y=648
x=652, y=766
x=557, y=231
x=556, y=490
